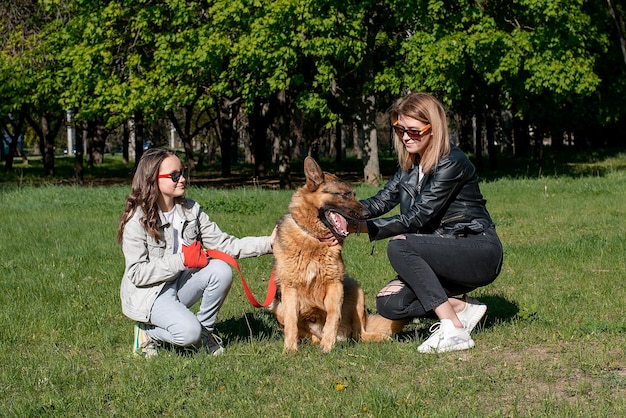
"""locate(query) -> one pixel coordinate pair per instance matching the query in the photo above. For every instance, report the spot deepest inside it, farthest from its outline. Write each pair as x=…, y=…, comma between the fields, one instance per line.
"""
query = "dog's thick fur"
x=315, y=299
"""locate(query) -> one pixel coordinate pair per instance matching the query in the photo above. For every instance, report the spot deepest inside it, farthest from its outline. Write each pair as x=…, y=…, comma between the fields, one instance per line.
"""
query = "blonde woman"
x=444, y=243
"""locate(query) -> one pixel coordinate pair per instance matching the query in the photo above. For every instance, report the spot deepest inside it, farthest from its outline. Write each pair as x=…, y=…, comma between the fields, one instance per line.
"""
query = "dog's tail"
x=379, y=328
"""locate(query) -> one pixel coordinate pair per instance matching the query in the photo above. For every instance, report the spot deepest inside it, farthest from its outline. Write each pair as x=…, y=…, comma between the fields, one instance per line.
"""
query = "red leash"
x=271, y=290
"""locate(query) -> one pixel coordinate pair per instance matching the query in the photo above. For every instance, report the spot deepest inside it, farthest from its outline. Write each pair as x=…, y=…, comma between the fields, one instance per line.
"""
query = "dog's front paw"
x=290, y=350
x=327, y=345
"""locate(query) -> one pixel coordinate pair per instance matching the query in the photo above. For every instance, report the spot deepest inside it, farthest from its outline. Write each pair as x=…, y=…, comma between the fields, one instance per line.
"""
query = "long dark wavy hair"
x=145, y=193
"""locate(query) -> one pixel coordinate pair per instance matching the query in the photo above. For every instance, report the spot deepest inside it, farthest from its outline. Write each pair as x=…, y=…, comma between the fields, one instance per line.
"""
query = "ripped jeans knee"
x=391, y=288
x=394, y=300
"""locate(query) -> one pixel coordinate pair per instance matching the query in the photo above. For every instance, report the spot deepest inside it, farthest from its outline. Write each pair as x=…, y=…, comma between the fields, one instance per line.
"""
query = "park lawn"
x=553, y=343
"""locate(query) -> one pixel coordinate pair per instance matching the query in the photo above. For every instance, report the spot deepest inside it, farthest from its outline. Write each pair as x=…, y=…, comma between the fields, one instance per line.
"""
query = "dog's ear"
x=313, y=173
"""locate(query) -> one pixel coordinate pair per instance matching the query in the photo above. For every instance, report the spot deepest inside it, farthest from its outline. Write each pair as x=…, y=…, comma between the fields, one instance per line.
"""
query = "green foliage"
x=30, y=75
x=550, y=63
x=519, y=47
x=138, y=56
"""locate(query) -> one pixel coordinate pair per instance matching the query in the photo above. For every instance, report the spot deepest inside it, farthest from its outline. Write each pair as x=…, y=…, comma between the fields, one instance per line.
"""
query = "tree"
x=288, y=73
x=140, y=60
x=40, y=78
x=14, y=30
x=618, y=15
x=513, y=56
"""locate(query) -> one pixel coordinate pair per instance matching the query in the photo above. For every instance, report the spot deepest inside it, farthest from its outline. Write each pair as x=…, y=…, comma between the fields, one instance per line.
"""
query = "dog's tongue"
x=340, y=223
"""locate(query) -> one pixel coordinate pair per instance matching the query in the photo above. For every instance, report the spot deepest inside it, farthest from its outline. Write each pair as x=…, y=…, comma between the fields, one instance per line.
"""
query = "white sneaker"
x=446, y=337
x=471, y=315
x=142, y=344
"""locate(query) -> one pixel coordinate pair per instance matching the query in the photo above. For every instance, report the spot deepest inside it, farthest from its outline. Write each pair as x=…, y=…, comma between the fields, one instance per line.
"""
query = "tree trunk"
x=47, y=144
x=138, y=128
x=521, y=138
x=466, y=125
x=14, y=132
x=492, y=150
x=478, y=140
x=538, y=145
x=185, y=133
x=620, y=25
x=296, y=132
x=280, y=130
x=79, y=170
x=88, y=143
x=556, y=139
x=357, y=142
x=125, y=137
x=371, y=171
x=258, y=127
x=46, y=130
x=224, y=126
x=98, y=143
x=339, y=143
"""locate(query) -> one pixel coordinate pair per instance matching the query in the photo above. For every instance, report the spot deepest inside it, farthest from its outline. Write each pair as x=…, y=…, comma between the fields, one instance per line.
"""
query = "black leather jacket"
x=447, y=201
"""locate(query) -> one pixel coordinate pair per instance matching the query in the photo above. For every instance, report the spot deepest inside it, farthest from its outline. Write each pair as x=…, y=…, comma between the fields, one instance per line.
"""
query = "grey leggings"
x=170, y=317
x=432, y=268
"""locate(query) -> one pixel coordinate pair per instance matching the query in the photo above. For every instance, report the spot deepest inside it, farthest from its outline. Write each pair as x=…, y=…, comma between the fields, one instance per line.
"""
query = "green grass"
x=553, y=344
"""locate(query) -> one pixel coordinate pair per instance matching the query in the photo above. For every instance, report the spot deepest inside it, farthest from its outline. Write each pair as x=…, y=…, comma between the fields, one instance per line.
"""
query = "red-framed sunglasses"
x=175, y=175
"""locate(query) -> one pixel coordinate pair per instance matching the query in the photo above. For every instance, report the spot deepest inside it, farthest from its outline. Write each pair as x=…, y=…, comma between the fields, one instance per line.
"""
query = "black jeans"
x=432, y=268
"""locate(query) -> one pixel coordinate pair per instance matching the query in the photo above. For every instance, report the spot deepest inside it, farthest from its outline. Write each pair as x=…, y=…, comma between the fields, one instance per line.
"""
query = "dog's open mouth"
x=337, y=223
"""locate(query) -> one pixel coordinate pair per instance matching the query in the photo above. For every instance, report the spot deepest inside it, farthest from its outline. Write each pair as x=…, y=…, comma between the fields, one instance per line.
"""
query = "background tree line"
x=269, y=81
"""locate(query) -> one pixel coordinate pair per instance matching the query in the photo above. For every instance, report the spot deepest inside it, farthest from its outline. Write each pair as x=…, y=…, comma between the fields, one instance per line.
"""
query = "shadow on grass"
x=557, y=163
x=261, y=325
x=252, y=327
x=499, y=310
x=258, y=325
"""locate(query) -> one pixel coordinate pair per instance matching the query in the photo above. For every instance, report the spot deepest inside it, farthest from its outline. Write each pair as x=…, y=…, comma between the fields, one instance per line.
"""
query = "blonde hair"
x=145, y=193
x=426, y=109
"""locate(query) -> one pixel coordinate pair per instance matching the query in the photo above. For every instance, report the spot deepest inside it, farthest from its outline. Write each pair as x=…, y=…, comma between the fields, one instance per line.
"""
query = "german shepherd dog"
x=315, y=299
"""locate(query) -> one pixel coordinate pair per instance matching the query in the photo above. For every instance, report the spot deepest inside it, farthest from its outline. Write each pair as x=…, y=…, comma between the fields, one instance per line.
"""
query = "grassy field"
x=553, y=344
